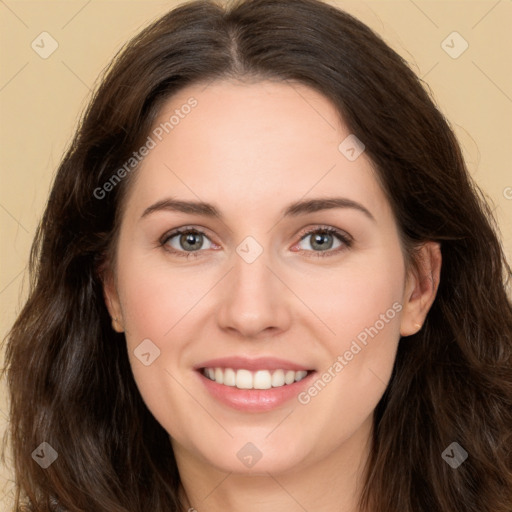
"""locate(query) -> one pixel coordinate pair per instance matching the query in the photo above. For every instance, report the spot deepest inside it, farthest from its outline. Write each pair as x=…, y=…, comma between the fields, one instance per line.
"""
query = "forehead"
x=250, y=146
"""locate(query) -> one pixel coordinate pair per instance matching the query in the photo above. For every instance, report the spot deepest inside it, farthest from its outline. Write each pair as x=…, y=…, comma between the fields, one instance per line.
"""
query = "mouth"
x=259, y=379
x=253, y=385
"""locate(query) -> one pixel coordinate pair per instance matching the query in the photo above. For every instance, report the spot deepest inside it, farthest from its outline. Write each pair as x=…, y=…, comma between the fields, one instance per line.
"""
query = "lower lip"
x=255, y=400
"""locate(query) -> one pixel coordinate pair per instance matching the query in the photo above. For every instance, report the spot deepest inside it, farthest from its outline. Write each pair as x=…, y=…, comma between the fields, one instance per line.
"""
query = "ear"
x=111, y=297
x=421, y=287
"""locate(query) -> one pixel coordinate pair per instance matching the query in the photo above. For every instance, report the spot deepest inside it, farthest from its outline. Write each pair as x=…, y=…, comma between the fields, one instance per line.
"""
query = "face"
x=271, y=286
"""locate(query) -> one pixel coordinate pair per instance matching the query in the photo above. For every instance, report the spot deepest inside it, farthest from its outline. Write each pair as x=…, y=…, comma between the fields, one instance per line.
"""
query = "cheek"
x=362, y=308
x=155, y=305
x=351, y=300
x=364, y=301
x=156, y=298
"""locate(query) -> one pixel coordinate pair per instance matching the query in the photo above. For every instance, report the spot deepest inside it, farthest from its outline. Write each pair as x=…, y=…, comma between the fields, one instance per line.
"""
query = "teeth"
x=243, y=379
x=261, y=379
x=278, y=379
x=289, y=377
x=229, y=377
x=219, y=376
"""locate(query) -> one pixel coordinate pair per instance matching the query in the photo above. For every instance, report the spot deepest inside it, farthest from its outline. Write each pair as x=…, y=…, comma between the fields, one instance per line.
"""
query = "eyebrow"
x=295, y=209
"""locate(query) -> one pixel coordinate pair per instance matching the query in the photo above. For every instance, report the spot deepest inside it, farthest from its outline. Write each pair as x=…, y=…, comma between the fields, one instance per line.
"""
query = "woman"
x=254, y=287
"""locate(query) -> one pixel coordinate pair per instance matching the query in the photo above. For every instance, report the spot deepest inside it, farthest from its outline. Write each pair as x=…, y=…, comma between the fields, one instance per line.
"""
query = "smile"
x=259, y=379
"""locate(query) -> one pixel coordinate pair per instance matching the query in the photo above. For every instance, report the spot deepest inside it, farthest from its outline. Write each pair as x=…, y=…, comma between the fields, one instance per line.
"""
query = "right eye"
x=185, y=242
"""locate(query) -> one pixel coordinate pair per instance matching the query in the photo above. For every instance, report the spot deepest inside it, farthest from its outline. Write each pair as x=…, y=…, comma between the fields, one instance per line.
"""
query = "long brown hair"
x=68, y=373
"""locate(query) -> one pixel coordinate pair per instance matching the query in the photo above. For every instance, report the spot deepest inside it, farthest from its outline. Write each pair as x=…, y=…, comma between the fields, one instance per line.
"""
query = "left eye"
x=324, y=239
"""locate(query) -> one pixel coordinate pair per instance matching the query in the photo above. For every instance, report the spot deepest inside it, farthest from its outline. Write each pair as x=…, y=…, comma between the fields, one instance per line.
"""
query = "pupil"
x=320, y=240
x=190, y=239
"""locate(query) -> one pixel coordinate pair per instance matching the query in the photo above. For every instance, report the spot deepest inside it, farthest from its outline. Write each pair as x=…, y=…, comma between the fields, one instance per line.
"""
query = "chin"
x=255, y=457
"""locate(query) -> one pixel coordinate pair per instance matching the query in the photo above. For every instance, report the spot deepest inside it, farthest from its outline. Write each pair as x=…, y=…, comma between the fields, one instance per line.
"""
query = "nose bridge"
x=254, y=299
x=252, y=277
x=253, y=283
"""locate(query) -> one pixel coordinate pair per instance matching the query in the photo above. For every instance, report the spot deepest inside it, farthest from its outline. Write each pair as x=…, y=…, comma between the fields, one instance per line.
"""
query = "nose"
x=254, y=301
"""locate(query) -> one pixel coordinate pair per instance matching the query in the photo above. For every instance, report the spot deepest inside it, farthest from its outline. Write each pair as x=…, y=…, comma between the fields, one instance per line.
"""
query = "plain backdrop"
x=41, y=98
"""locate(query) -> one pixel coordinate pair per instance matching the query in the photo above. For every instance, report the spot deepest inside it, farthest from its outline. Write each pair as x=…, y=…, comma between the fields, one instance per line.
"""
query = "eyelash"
x=345, y=239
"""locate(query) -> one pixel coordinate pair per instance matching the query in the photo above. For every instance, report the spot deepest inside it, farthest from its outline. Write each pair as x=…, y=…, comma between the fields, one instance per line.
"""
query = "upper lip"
x=260, y=363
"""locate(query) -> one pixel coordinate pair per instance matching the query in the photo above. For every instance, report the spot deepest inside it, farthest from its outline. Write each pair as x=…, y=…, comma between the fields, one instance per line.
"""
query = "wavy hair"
x=68, y=374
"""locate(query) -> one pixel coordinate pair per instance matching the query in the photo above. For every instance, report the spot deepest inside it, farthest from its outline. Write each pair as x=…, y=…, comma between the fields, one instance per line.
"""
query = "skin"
x=252, y=149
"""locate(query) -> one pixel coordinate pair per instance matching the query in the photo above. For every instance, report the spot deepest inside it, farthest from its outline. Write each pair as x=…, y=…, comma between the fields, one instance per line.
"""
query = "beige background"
x=40, y=100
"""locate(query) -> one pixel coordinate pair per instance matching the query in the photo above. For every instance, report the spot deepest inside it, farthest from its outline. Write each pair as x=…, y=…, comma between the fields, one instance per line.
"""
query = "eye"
x=185, y=242
x=189, y=242
x=323, y=239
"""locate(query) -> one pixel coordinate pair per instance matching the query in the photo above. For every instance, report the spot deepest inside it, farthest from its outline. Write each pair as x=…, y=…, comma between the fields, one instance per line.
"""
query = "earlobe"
x=117, y=325
x=112, y=302
x=421, y=288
